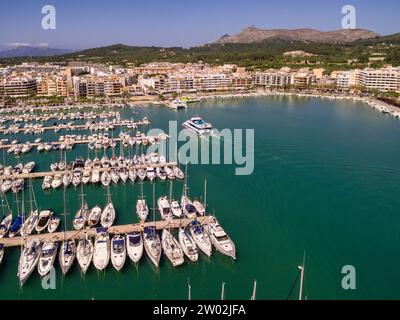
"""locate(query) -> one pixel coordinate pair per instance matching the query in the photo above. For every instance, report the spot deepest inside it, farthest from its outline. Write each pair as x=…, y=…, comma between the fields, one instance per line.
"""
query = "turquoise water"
x=326, y=181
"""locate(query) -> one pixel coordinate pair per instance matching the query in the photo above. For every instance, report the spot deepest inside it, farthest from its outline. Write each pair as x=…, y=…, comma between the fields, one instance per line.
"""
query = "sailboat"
x=82, y=214
x=67, y=255
x=5, y=225
x=53, y=224
x=118, y=252
x=108, y=214
x=68, y=248
x=101, y=253
x=94, y=216
x=28, y=260
x=188, y=245
x=134, y=246
x=201, y=238
x=152, y=244
x=222, y=242
x=43, y=220
x=171, y=248
x=32, y=220
x=47, y=257
x=16, y=226
x=105, y=178
x=164, y=208
x=84, y=253
x=142, y=209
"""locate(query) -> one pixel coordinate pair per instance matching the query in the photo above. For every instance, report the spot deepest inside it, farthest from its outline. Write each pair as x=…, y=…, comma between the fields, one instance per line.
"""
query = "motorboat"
x=134, y=246
x=141, y=173
x=67, y=255
x=151, y=173
x=67, y=179
x=53, y=224
x=28, y=168
x=221, y=241
x=171, y=248
x=47, y=257
x=108, y=215
x=95, y=176
x=94, y=216
x=77, y=178
x=176, y=209
x=152, y=244
x=161, y=173
x=201, y=237
x=84, y=253
x=164, y=208
x=57, y=181
x=101, y=253
x=188, y=245
x=18, y=185
x=118, y=252
x=86, y=176
x=178, y=173
x=132, y=174
x=114, y=176
x=44, y=220
x=28, y=260
x=6, y=186
x=123, y=174
x=198, y=126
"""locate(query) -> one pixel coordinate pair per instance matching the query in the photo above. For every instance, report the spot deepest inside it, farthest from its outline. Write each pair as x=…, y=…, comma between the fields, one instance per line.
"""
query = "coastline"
x=371, y=102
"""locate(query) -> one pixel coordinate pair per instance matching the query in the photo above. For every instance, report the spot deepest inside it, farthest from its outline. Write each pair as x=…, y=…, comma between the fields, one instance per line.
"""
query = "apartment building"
x=19, y=86
x=346, y=79
x=385, y=79
x=272, y=78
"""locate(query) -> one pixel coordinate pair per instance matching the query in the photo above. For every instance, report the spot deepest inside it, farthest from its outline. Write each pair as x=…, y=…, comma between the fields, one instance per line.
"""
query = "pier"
x=77, y=126
x=35, y=175
x=91, y=232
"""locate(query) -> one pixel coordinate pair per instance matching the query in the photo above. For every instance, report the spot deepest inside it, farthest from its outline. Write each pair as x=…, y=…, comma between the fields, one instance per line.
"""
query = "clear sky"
x=90, y=23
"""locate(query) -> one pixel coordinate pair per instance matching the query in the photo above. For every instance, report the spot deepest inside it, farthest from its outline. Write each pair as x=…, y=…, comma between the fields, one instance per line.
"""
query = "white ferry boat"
x=178, y=104
x=198, y=125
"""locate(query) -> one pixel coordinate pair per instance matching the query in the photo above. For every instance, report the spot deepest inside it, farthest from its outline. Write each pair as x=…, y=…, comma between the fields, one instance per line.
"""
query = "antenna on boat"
x=301, y=268
x=223, y=291
x=253, y=296
x=189, y=290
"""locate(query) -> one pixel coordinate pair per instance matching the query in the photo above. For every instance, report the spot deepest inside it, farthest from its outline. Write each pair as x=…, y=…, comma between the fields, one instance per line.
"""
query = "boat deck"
x=91, y=232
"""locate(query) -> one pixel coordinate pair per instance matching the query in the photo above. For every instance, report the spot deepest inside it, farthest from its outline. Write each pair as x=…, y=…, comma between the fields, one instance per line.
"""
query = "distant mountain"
x=26, y=51
x=253, y=34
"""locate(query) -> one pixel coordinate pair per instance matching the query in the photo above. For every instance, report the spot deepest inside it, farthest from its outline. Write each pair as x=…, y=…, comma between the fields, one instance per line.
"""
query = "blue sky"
x=89, y=23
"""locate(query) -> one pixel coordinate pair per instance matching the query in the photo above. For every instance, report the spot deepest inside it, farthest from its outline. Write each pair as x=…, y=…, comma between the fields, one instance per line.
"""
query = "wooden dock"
x=36, y=144
x=76, y=126
x=35, y=175
x=91, y=232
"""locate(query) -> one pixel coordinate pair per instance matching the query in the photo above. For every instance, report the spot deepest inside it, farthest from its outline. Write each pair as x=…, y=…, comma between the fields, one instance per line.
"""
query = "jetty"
x=91, y=232
x=36, y=175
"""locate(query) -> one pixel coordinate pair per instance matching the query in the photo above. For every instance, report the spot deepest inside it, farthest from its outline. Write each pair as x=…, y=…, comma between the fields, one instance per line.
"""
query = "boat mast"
x=223, y=291
x=205, y=196
x=301, y=268
x=154, y=202
x=253, y=296
x=65, y=214
x=189, y=290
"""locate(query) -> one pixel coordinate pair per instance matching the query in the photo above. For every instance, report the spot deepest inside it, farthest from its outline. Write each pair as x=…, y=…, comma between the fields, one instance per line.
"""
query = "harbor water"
x=325, y=181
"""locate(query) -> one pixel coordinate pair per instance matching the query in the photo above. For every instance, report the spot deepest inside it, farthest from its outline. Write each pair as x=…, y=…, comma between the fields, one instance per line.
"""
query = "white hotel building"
x=386, y=79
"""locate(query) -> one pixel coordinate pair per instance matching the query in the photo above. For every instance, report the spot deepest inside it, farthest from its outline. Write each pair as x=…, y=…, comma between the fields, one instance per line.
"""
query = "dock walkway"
x=91, y=232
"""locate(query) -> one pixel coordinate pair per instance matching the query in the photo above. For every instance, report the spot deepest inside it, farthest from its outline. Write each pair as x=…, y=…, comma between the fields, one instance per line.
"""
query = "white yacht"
x=47, y=257
x=28, y=260
x=5, y=225
x=67, y=255
x=30, y=223
x=152, y=244
x=172, y=249
x=178, y=104
x=164, y=208
x=188, y=245
x=105, y=178
x=53, y=224
x=188, y=208
x=86, y=176
x=46, y=182
x=221, y=241
x=151, y=173
x=142, y=209
x=81, y=216
x=176, y=209
x=94, y=216
x=84, y=253
x=43, y=220
x=76, y=178
x=201, y=238
x=141, y=173
x=95, y=176
x=101, y=253
x=118, y=252
x=114, y=176
x=199, y=207
x=57, y=181
x=67, y=179
x=108, y=215
x=132, y=174
x=134, y=246
x=198, y=125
